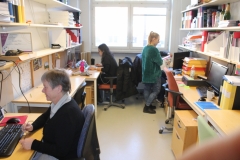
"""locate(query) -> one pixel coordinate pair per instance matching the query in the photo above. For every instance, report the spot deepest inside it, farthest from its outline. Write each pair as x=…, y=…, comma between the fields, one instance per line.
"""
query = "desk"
x=190, y=95
x=224, y=121
x=19, y=152
x=36, y=98
x=93, y=77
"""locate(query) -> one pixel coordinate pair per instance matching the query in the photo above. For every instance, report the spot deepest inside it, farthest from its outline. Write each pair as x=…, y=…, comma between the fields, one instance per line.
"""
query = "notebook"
x=206, y=105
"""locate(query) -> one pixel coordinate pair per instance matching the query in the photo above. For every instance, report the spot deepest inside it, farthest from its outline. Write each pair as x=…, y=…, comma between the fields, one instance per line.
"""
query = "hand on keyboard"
x=26, y=143
x=27, y=127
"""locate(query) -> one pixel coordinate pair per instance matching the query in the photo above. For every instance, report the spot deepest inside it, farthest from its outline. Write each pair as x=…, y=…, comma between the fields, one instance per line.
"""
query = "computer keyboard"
x=9, y=137
x=202, y=91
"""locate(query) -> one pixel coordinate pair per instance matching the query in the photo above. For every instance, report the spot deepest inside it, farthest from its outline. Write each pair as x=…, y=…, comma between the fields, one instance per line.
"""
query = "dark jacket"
x=137, y=69
x=109, y=65
x=125, y=85
x=60, y=133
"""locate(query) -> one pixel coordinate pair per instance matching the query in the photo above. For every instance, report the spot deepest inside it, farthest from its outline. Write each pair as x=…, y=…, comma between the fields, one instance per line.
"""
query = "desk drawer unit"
x=184, y=131
x=89, y=93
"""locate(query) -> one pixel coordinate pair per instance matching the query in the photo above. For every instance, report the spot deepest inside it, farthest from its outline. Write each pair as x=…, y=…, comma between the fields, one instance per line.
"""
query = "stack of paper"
x=198, y=63
x=4, y=12
x=227, y=23
x=63, y=17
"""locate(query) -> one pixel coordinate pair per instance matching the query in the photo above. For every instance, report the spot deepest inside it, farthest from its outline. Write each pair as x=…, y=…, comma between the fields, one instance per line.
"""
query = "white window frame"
x=130, y=5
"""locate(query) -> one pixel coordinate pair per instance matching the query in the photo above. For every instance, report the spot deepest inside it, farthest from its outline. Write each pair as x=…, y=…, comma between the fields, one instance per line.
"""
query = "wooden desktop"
x=19, y=152
x=224, y=121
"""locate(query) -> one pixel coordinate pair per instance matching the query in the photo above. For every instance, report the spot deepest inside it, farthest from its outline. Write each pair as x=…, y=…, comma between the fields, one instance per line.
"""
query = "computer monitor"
x=178, y=59
x=215, y=76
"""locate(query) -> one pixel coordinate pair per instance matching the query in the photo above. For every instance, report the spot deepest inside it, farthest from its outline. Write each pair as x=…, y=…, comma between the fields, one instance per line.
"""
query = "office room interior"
x=133, y=135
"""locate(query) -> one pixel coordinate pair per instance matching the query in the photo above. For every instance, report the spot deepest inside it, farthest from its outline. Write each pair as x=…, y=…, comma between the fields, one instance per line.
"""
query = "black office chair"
x=110, y=87
x=88, y=146
x=80, y=96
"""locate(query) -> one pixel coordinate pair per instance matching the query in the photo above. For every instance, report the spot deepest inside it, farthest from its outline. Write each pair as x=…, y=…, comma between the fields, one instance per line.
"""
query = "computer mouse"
x=13, y=121
x=202, y=99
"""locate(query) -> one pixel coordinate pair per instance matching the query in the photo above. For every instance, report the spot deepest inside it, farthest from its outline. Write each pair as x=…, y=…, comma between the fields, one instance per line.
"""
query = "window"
x=124, y=26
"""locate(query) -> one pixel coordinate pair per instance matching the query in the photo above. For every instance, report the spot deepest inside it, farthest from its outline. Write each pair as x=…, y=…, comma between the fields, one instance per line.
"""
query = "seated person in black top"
x=62, y=123
x=108, y=64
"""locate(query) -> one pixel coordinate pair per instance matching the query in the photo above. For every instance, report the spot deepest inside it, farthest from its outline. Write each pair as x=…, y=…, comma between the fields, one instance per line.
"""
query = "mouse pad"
x=22, y=120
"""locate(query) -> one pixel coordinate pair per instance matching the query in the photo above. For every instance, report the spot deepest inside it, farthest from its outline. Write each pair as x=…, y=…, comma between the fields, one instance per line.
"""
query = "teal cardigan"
x=151, y=63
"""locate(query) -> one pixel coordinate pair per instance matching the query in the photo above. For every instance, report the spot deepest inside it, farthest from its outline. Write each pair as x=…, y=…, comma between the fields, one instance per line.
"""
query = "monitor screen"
x=178, y=59
x=215, y=76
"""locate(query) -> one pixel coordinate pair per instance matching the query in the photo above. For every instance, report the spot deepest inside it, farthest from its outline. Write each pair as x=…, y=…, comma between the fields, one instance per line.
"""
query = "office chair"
x=110, y=87
x=205, y=132
x=88, y=146
x=80, y=96
x=174, y=99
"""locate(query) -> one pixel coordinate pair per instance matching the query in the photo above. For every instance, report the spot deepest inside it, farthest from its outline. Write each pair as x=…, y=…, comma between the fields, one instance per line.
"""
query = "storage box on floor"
x=198, y=63
x=185, y=131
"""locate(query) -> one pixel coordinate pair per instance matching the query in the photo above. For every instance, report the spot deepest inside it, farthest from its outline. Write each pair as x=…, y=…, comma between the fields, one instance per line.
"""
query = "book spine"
x=23, y=11
x=10, y=8
x=15, y=11
x=19, y=11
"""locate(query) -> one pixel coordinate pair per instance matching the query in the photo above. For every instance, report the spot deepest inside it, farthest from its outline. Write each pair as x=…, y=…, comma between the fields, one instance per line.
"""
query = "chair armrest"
x=174, y=94
x=165, y=85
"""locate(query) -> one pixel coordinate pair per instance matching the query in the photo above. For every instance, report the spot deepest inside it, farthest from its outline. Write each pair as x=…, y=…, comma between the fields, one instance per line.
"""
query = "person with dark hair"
x=62, y=123
x=151, y=72
x=108, y=67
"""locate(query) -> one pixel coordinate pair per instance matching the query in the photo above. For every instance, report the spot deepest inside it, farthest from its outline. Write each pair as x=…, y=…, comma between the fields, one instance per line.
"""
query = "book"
x=233, y=80
x=206, y=105
x=192, y=60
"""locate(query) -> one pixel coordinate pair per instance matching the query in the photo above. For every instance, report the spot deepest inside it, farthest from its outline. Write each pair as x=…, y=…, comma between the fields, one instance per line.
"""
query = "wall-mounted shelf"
x=211, y=3
x=73, y=46
x=36, y=25
x=236, y=28
x=207, y=54
x=13, y=24
x=56, y=5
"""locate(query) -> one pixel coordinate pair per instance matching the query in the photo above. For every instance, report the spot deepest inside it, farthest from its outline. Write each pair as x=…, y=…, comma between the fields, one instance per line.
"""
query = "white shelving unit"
x=235, y=28
x=56, y=5
x=211, y=3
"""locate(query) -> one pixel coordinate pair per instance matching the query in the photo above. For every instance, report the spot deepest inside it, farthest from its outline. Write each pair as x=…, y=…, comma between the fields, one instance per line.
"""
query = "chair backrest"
x=84, y=142
x=205, y=132
x=172, y=85
x=79, y=96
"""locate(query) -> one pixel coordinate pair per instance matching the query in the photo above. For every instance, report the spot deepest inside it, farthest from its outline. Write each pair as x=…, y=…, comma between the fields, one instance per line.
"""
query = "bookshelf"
x=54, y=4
x=197, y=30
x=211, y=3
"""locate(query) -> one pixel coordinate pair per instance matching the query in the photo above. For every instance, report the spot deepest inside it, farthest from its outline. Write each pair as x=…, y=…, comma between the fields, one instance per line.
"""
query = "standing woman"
x=151, y=72
x=108, y=67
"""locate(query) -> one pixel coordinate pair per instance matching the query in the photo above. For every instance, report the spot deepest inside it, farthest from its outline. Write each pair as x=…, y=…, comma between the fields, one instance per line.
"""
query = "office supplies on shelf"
x=56, y=46
x=9, y=137
x=206, y=105
x=5, y=119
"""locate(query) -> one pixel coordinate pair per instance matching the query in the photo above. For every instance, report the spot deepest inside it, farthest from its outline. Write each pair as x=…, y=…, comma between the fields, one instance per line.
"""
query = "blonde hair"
x=151, y=36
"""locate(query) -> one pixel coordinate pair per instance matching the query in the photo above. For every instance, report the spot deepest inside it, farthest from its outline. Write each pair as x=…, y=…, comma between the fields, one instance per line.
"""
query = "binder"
x=10, y=8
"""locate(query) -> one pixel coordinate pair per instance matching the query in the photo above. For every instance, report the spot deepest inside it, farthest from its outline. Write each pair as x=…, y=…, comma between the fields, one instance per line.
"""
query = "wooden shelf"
x=73, y=46
x=212, y=3
x=236, y=28
x=46, y=52
x=207, y=54
x=11, y=24
x=54, y=4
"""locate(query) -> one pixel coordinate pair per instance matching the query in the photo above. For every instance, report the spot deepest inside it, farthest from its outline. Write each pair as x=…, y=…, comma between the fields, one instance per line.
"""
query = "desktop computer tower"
x=230, y=96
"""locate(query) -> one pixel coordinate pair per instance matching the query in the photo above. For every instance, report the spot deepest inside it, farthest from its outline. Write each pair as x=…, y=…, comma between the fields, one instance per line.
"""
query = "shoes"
x=149, y=110
x=152, y=107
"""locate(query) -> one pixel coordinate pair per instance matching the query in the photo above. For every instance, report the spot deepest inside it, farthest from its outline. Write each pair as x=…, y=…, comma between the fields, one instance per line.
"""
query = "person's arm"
x=64, y=137
x=224, y=148
x=41, y=120
x=156, y=57
x=106, y=62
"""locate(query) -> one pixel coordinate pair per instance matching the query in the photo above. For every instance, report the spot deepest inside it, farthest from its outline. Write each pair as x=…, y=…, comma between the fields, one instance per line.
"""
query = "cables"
x=29, y=109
